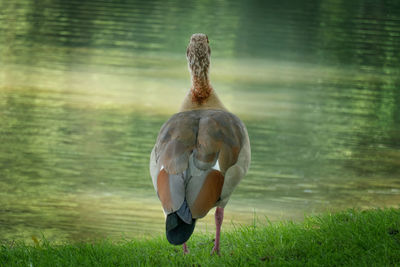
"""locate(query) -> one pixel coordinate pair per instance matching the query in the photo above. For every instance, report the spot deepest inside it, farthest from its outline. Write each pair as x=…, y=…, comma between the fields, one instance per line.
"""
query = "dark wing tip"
x=178, y=232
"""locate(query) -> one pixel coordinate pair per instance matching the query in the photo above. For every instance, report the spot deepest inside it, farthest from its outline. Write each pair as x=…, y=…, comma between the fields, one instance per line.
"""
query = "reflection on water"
x=85, y=87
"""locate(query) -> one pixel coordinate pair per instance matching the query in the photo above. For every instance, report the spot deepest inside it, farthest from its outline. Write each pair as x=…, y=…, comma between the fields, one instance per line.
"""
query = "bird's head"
x=198, y=54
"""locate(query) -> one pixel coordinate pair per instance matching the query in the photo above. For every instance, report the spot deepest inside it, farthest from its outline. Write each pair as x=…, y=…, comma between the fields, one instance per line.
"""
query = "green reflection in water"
x=85, y=87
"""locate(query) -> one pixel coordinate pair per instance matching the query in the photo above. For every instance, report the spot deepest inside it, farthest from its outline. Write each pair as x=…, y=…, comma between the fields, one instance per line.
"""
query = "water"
x=85, y=87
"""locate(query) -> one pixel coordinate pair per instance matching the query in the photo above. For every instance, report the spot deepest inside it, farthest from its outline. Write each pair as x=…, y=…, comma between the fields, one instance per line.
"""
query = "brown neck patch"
x=201, y=90
x=200, y=96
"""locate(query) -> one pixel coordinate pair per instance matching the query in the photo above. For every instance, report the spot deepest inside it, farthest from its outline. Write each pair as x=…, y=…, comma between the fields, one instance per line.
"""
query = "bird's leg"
x=185, y=249
x=219, y=217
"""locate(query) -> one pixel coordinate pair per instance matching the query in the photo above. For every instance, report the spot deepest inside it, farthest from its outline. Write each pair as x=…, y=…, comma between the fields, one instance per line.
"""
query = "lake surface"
x=86, y=86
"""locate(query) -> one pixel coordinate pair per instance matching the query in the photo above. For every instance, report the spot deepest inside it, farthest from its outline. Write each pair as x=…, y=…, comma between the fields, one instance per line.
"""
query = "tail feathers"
x=180, y=225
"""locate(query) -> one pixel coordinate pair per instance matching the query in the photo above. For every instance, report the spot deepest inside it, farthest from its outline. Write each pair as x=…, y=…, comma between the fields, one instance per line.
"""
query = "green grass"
x=349, y=238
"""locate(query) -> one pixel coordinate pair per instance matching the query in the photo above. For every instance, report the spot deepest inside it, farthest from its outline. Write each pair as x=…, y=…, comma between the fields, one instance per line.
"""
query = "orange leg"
x=219, y=217
x=185, y=249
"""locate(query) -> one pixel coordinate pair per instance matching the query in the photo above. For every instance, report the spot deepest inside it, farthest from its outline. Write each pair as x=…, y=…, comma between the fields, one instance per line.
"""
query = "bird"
x=200, y=155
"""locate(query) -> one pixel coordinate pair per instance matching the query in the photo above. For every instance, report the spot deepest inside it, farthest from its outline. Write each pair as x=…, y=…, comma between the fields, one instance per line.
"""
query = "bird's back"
x=193, y=153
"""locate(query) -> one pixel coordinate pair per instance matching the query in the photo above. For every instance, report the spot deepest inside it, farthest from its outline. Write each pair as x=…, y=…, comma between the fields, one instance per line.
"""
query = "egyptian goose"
x=201, y=154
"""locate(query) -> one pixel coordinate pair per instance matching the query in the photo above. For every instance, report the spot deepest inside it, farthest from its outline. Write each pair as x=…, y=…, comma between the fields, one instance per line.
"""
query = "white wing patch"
x=216, y=166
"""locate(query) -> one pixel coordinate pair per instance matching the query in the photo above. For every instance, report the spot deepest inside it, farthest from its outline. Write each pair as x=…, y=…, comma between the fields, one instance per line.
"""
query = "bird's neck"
x=201, y=94
x=201, y=88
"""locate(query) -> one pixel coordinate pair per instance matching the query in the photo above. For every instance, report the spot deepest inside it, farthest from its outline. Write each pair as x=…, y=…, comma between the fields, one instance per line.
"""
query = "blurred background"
x=86, y=85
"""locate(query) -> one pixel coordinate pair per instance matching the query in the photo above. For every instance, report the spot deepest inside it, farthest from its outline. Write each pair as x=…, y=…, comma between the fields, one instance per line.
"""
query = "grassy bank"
x=355, y=238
